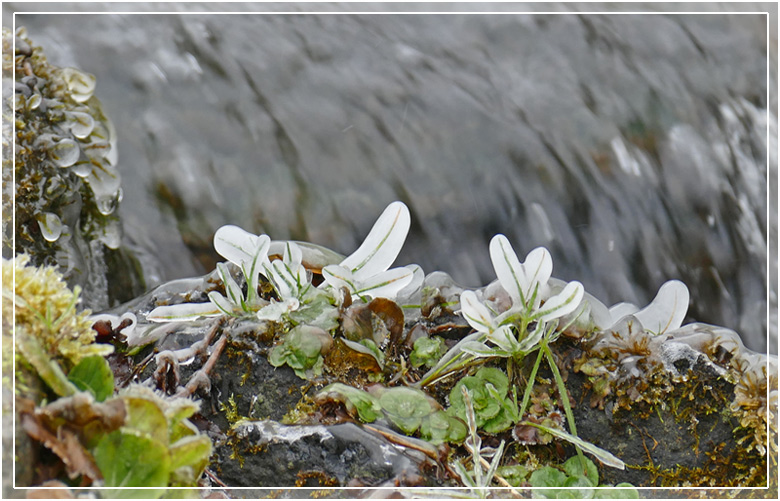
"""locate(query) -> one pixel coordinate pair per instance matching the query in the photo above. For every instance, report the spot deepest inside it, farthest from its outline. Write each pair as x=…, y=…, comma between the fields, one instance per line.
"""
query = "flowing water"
x=634, y=147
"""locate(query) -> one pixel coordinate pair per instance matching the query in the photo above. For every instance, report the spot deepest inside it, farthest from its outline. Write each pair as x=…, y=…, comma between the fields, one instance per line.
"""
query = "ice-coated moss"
x=60, y=177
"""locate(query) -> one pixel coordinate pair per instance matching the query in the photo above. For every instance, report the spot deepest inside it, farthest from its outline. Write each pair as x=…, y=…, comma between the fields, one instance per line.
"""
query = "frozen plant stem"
x=196, y=378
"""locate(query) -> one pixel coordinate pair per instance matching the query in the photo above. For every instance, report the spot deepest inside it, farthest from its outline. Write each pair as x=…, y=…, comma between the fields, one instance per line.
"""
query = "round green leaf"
x=547, y=476
x=427, y=351
x=144, y=416
x=573, y=468
x=496, y=377
x=440, y=427
x=93, y=374
x=130, y=459
x=499, y=423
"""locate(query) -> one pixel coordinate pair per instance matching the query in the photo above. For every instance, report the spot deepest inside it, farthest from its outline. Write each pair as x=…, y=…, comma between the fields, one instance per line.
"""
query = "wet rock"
x=673, y=410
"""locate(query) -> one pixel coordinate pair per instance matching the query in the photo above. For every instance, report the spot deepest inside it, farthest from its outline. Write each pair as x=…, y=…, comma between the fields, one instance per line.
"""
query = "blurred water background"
x=636, y=148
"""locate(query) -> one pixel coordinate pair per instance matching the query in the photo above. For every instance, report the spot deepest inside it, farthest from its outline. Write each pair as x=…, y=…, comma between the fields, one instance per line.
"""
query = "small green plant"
x=494, y=411
x=528, y=324
x=301, y=350
x=295, y=302
x=405, y=407
x=408, y=409
x=427, y=351
x=157, y=446
x=479, y=477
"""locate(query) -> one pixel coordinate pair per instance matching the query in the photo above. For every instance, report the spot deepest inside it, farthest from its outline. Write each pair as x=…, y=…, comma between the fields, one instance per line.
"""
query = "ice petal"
x=337, y=277
x=561, y=304
x=504, y=338
x=385, y=284
x=538, y=267
x=509, y=271
x=476, y=314
x=620, y=310
x=238, y=245
x=668, y=309
x=382, y=244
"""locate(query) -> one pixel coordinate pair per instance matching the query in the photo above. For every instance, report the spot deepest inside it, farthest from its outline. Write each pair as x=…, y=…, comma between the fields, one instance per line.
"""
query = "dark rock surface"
x=265, y=453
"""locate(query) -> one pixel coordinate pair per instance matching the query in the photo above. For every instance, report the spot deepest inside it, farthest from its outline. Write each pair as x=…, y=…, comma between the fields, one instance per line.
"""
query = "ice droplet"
x=51, y=226
x=106, y=204
x=34, y=101
x=65, y=152
x=80, y=84
x=80, y=124
x=82, y=169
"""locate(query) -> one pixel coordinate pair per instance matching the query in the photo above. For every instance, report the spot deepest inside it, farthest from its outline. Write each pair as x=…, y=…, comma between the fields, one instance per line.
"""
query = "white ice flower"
x=288, y=275
x=527, y=282
x=246, y=250
x=483, y=320
x=365, y=272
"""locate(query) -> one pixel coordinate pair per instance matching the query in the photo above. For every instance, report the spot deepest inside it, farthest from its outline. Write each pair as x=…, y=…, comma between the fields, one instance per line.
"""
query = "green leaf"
x=440, y=427
x=146, y=418
x=367, y=407
x=93, y=374
x=316, y=311
x=501, y=422
x=47, y=368
x=496, y=377
x=192, y=451
x=547, y=476
x=300, y=349
x=582, y=493
x=367, y=347
x=514, y=474
x=129, y=459
x=573, y=468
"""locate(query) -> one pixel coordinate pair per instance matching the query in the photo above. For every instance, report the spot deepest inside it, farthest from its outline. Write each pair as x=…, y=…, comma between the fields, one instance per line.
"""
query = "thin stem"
x=530, y=385
x=564, y=397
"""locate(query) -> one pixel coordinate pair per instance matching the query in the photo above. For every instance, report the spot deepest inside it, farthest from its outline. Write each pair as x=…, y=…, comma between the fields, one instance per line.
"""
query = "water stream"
x=634, y=147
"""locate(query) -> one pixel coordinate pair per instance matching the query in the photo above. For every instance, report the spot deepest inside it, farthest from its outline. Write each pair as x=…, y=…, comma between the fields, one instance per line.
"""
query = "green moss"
x=44, y=308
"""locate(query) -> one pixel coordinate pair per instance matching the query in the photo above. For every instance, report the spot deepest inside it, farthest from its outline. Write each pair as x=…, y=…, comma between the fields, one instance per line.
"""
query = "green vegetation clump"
x=45, y=314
